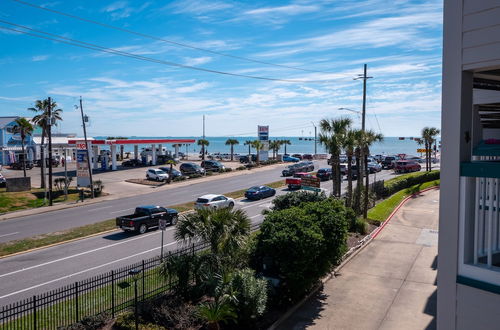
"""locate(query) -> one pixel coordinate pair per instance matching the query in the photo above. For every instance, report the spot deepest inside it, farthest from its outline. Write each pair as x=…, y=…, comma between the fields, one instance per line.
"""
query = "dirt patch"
x=147, y=182
x=354, y=238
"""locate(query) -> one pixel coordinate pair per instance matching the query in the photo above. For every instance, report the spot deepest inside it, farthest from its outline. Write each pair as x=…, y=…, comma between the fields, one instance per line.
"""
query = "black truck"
x=145, y=217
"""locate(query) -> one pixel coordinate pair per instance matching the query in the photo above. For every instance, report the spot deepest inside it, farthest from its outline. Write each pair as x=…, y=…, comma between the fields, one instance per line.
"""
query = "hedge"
x=401, y=182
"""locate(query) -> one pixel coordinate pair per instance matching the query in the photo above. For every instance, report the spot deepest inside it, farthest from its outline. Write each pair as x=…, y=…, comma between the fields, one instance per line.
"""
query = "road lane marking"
x=84, y=271
x=80, y=254
x=251, y=205
x=9, y=234
x=121, y=211
x=255, y=216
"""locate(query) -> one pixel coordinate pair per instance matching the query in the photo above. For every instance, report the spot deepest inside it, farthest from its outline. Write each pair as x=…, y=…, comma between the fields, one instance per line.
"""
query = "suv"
x=403, y=166
x=156, y=174
x=291, y=170
x=212, y=165
x=19, y=165
x=388, y=162
x=307, y=166
x=191, y=168
x=324, y=174
x=245, y=159
x=299, y=156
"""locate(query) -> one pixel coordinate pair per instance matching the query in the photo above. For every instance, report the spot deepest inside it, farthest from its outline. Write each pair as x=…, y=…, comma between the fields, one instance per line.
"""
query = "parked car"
x=293, y=183
x=404, y=166
x=212, y=165
x=374, y=167
x=287, y=158
x=244, y=159
x=324, y=174
x=290, y=170
x=171, y=173
x=307, y=156
x=19, y=165
x=259, y=192
x=378, y=158
x=299, y=156
x=307, y=165
x=146, y=217
x=354, y=172
x=343, y=168
x=55, y=163
x=213, y=201
x=191, y=168
x=388, y=162
x=156, y=174
x=132, y=163
x=163, y=159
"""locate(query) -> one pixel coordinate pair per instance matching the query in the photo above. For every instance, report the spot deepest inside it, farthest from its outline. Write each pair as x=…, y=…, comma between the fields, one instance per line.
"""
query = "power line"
x=179, y=44
x=82, y=44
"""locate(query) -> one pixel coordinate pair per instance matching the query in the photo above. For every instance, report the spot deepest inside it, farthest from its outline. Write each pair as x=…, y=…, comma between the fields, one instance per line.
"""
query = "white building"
x=469, y=230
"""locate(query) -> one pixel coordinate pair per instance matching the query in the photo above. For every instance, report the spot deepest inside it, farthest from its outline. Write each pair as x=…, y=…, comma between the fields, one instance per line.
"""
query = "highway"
x=25, y=275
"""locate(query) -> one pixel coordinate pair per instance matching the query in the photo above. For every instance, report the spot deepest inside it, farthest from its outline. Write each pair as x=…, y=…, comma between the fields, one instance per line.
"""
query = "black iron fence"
x=110, y=292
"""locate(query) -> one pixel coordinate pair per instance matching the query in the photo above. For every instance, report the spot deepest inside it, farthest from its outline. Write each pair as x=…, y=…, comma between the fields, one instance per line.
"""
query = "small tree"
x=249, y=144
x=232, y=142
x=257, y=145
x=23, y=128
x=429, y=137
x=275, y=146
x=203, y=143
x=285, y=143
x=251, y=296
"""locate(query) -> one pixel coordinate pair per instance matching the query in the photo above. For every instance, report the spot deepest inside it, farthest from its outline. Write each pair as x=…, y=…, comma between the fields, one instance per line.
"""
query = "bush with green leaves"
x=401, y=182
x=299, y=245
x=179, y=178
x=240, y=168
x=251, y=296
x=228, y=169
x=195, y=175
x=90, y=322
x=296, y=198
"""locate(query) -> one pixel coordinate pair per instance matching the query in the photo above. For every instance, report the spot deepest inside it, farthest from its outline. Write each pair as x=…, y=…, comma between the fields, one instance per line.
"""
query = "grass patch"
x=382, y=210
x=15, y=201
x=94, y=228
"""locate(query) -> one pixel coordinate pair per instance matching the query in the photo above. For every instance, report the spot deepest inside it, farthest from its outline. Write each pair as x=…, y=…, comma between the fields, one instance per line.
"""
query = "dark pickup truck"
x=145, y=217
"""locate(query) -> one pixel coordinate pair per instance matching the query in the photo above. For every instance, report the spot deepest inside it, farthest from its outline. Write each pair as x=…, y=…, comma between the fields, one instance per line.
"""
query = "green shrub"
x=299, y=245
x=209, y=173
x=360, y=226
x=240, y=168
x=251, y=296
x=250, y=165
x=90, y=322
x=296, y=198
x=195, y=175
x=405, y=181
x=179, y=178
x=228, y=169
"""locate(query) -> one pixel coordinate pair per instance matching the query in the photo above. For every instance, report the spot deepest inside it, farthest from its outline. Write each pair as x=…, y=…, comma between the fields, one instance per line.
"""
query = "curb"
x=348, y=256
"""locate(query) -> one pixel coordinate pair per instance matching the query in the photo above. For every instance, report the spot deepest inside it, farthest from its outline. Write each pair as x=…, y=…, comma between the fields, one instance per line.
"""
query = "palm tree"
x=285, y=143
x=232, y=142
x=42, y=119
x=249, y=144
x=368, y=138
x=257, y=145
x=217, y=311
x=225, y=230
x=350, y=142
x=428, y=136
x=275, y=146
x=23, y=128
x=203, y=143
x=170, y=162
x=332, y=136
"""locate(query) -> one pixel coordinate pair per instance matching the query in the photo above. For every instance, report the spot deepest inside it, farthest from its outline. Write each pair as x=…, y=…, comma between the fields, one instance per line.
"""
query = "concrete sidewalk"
x=390, y=284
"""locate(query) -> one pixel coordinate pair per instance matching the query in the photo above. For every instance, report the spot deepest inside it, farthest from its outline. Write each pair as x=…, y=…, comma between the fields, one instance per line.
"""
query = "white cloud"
x=198, y=7
x=283, y=10
x=195, y=61
x=39, y=58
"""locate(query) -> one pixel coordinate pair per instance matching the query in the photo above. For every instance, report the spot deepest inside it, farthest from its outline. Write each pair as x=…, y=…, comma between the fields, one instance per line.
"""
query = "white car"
x=156, y=174
x=213, y=201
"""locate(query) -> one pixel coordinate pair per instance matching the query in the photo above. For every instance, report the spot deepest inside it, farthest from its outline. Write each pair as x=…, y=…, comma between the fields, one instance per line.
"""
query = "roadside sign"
x=81, y=146
x=163, y=224
x=423, y=150
x=311, y=188
x=263, y=133
x=402, y=156
x=312, y=182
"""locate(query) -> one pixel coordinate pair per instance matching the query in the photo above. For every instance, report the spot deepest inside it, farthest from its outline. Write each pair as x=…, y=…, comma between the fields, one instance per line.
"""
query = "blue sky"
x=320, y=45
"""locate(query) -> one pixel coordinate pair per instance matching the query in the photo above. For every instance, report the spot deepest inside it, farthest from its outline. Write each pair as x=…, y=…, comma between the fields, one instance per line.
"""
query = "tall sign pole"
x=87, y=148
x=49, y=131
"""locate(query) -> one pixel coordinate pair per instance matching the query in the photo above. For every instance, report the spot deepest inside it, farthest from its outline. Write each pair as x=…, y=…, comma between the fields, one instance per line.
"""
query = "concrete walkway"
x=390, y=284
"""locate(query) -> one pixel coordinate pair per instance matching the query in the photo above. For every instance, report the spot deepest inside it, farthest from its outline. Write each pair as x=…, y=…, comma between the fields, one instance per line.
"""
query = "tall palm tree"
x=275, y=146
x=332, y=136
x=225, y=230
x=203, y=143
x=232, y=142
x=257, y=145
x=429, y=136
x=249, y=144
x=285, y=143
x=23, y=128
x=42, y=119
x=350, y=142
x=368, y=138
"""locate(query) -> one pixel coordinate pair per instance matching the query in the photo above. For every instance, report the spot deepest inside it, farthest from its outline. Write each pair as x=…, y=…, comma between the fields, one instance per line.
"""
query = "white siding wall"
x=481, y=34
x=477, y=309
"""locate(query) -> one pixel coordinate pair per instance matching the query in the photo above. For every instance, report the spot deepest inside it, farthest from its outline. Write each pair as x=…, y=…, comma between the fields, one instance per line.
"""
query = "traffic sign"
x=423, y=150
x=163, y=224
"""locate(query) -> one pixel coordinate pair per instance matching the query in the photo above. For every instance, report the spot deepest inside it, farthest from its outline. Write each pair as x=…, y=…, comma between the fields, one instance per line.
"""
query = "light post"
x=315, y=139
x=134, y=273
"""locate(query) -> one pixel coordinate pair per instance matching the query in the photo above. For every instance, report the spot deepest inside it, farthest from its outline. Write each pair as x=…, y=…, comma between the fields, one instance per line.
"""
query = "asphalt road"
x=25, y=275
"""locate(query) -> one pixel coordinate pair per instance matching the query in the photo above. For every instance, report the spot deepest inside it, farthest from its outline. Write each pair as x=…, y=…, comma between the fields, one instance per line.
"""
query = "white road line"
x=255, y=216
x=9, y=234
x=101, y=208
x=121, y=211
x=80, y=254
x=252, y=205
x=83, y=271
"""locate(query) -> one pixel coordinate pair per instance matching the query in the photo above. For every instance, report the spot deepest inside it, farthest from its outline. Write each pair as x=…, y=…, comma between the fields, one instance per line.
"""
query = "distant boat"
x=401, y=138
x=300, y=138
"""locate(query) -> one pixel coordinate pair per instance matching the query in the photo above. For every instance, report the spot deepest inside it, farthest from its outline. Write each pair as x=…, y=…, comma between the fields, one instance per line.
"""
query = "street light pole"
x=315, y=139
x=88, y=152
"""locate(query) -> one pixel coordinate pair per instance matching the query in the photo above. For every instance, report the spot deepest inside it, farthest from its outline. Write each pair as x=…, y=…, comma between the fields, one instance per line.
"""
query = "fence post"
x=169, y=271
x=113, y=293
x=77, y=314
x=34, y=312
x=143, y=275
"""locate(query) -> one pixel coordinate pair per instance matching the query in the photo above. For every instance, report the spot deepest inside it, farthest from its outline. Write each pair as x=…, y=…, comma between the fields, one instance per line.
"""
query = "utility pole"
x=65, y=176
x=88, y=153
x=315, y=139
x=49, y=131
x=203, y=126
x=363, y=111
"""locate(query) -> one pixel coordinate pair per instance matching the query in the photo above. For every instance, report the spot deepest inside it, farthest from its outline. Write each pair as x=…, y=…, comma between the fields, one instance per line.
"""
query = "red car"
x=405, y=166
x=296, y=181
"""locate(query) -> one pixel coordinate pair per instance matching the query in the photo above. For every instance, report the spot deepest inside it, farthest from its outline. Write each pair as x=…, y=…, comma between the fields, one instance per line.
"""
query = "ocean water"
x=389, y=146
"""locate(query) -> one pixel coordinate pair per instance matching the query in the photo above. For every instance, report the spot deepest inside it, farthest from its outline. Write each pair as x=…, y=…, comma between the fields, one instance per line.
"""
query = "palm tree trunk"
x=232, y=146
x=285, y=148
x=359, y=184
x=339, y=176
x=24, y=157
x=42, y=156
x=349, y=181
x=334, y=176
x=426, y=156
x=367, y=182
x=202, y=152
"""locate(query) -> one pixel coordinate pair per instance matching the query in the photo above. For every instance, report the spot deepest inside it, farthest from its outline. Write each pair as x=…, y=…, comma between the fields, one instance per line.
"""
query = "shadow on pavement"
x=307, y=315
x=119, y=236
x=431, y=309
